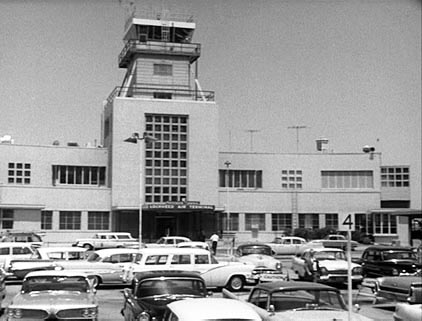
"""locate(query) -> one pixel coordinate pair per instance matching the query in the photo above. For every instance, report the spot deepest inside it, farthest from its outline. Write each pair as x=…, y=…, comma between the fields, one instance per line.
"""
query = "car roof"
x=6, y=244
x=116, y=251
x=253, y=244
x=175, y=238
x=389, y=247
x=322, y=249
x=173, y=250
x=166, y=273
x=293, y=285
x=213, y=309
x=61, y=249
x=56, y=273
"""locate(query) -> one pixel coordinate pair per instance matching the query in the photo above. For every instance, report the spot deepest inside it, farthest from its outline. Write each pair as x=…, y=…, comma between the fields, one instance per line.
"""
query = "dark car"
x=298, y=300
x=153, y=290
x=385, y=260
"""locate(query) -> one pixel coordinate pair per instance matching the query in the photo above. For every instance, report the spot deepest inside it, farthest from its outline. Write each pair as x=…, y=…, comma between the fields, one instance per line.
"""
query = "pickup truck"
x=107, y=240
x=337, y=241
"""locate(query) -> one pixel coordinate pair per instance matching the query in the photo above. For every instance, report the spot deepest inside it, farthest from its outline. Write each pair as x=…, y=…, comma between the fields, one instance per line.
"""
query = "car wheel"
x=88, y=246
x=236, y=283
x=96, y=281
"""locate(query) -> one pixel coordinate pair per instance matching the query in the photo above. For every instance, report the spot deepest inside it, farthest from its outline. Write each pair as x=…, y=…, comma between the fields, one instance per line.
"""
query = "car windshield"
x=172, y=286
x=399, y=255
x=253, y=249
x=330, y=255
x=307, y=300
x=55, y=283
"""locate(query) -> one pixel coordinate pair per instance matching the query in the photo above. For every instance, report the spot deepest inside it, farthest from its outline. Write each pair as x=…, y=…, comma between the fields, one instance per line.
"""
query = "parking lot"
x=111, y=299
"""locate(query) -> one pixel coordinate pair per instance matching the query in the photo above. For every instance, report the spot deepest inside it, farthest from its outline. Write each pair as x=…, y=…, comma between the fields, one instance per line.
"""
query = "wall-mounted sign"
x=178, y=206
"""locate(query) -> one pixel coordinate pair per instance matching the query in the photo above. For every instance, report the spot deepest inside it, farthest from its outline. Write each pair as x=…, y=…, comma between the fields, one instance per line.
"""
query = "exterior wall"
x=312, y=198
x=145, y=72
x=129, y=117
x=28, y=200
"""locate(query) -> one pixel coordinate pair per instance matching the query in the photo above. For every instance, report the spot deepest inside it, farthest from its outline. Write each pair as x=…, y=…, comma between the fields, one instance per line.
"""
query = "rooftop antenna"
x=252, y=131
x=297, y=128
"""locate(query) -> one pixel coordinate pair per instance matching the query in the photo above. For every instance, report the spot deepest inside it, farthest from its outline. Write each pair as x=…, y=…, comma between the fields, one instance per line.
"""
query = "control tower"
x=172, y=181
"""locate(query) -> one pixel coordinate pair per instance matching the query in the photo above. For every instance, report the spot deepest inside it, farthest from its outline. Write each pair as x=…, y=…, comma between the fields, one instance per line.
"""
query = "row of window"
x=380, y=223
x=163, y=160
x=68, y=220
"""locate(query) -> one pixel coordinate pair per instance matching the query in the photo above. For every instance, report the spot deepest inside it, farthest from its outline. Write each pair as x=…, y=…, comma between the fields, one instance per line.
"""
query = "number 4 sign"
x=348, y=223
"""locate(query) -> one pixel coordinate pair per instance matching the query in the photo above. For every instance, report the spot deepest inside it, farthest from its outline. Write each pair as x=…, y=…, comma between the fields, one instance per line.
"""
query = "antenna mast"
x=297, y=128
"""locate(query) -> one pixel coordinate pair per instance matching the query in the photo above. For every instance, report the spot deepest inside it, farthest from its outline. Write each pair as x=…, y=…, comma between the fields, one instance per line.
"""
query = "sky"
x=345, y=70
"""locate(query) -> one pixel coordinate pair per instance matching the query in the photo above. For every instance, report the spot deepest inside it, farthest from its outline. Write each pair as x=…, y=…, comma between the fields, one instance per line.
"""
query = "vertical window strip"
x=46, y=220
x=240, y=178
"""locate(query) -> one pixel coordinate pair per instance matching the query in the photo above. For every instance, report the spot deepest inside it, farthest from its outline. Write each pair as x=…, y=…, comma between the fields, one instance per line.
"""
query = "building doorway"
x=165, y=226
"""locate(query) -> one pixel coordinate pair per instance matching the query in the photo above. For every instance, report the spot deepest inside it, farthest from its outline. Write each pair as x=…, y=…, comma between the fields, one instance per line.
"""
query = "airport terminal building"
x=159, y=153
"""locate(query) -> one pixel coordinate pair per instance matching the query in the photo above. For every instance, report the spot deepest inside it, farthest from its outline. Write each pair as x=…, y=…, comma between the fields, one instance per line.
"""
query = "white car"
x=204, y=309
x=408, y=312
x=287, y=245
x=105, y=266
x=45, y=258
x=14, y=251
x=168, y=241
x=54, y=295
x=233, y=275
x=325, y=265
x=194, y=244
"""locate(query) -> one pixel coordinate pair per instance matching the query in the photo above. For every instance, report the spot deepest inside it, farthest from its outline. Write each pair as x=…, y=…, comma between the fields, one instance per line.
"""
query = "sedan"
x=153, y=290
x=295, y=300
x=54, y=295
x=207, y=309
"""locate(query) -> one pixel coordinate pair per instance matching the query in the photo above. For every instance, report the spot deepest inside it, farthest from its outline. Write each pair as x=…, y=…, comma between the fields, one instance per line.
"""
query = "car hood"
x=318, y=315
x=335, y=264
x=53, y=299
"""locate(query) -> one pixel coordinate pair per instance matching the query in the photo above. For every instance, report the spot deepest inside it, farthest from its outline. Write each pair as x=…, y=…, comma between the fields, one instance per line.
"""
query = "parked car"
x=104, y=266
x=297, y=300
x=412, y=310
x=337, y=241
x=287, y=245
x=3, y=276
x=194, y=244
x=107, y=240
x=153, y=290
x=168, y=241
x=234, y=275
x=54, y=295
x=325, y=265
x=12, y=251
x=205, y=309
x=34, y=239
x=382, y=260
x=398, y=288
x=260, y=255
x=45, y=258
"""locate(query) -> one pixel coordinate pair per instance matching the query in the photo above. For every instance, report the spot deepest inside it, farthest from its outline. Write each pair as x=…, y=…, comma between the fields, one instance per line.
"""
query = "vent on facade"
x=56, y=143
x=322, y=145
x=73, y=144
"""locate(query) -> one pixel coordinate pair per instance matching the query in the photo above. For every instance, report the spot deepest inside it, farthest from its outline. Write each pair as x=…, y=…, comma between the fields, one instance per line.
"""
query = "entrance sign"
x=178, y=206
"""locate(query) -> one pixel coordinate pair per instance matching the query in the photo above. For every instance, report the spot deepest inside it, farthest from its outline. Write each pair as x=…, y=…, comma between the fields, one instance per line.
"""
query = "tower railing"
x=150, y=91
x=193, y=50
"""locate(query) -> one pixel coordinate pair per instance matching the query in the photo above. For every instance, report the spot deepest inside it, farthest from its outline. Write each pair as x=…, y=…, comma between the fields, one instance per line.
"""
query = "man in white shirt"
x=214, y=241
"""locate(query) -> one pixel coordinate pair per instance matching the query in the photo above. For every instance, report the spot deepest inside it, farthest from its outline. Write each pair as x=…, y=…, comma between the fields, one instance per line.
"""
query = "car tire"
x=96, y=281
x=89, y=247
x=236, y=283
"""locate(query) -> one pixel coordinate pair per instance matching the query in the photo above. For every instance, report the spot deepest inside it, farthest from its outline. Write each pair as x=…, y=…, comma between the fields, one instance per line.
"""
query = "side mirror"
x=356, y=308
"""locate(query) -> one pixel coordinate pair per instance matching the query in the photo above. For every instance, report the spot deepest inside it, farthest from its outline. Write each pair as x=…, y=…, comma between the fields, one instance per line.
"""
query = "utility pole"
x=252, y=131
x=297, y=128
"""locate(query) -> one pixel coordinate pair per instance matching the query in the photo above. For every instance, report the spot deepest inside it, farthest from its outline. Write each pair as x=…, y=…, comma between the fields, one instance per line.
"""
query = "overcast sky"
x=348, y=70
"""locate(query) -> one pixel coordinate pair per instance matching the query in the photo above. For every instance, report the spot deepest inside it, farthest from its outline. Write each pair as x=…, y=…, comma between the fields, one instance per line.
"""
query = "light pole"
x=147, y=139
x=227, y=163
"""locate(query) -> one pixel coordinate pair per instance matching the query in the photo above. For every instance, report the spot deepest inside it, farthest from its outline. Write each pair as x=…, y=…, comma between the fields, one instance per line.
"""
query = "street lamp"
x=147, y=139
x=227, y=163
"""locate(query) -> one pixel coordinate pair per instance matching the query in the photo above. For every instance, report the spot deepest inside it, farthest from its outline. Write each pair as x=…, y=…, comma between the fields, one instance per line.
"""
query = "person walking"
x=214, y=241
